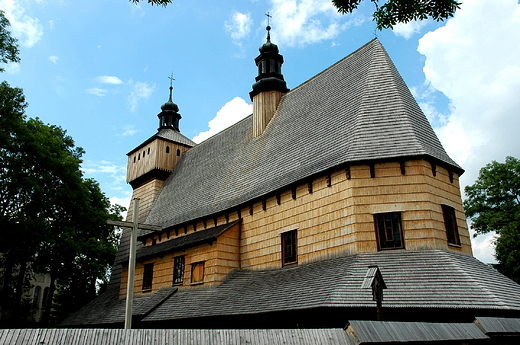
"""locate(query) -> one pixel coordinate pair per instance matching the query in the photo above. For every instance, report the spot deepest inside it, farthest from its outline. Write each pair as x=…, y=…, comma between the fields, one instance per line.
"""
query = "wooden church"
x=275, y=221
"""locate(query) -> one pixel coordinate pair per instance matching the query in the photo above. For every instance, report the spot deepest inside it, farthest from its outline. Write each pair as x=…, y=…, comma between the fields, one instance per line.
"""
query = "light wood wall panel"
x=332, y=220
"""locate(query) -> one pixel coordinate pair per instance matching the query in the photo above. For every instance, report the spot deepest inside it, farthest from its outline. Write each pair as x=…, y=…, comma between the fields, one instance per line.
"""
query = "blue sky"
x=100, y=69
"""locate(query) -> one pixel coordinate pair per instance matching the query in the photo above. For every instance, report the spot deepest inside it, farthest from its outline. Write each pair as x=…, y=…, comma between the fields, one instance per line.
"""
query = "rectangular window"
x=289, y=247
x=148, y=277
x=450, y=223
x=197, y=272
x=389, y=230
x=178, y=270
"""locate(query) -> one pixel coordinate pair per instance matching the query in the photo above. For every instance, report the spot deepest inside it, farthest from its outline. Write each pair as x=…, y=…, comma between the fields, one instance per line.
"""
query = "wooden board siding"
x=264, y=107
x=333, y=336
x=147, y=193
x=334, y=217
x=220, y=258
x=153, y=156
x=338, y=220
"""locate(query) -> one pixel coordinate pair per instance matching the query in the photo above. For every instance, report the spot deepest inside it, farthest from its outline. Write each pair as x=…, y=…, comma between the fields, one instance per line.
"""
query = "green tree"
x=8, y=44
x=493, y=205
x=388, y=14
x=52, y=219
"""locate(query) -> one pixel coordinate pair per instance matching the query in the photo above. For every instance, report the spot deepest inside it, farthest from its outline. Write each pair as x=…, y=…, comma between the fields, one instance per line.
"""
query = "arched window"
x=36, y=296
x=45, y=297
x=144, y=153
x=167, y=149
x=178, y=152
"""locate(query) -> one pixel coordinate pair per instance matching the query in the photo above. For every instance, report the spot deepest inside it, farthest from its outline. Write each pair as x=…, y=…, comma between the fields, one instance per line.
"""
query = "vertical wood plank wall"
x=153, y=156
x=264, y=107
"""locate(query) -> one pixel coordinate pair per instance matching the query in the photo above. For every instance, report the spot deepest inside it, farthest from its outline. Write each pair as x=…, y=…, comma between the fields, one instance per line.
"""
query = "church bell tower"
x=150, y=163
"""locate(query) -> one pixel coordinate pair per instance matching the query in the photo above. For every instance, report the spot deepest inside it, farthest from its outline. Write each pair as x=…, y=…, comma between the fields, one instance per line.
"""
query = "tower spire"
x=169, y=116
x=270, y=85
x=269, y=64
x=268, y=27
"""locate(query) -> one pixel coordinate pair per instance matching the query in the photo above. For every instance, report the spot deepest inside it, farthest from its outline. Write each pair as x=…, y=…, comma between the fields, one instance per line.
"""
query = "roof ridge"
x=373, y=41
x=450, y=258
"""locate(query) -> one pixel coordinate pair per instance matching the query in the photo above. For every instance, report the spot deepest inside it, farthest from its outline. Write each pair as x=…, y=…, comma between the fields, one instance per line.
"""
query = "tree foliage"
x=393, y=12
x=8, y=46
x=493, y=205
x=52, y=219
x=390, y=13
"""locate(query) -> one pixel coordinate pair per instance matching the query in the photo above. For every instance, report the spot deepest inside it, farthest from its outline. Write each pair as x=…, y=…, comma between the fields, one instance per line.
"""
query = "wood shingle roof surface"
x=433, y=279
x=357, y=110
x=422, y=279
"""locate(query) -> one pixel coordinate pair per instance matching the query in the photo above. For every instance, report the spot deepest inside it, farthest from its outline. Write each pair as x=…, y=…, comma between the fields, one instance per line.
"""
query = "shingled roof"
x=358, y=110
x=167, y=134
x=183, y=242
x=416, y=280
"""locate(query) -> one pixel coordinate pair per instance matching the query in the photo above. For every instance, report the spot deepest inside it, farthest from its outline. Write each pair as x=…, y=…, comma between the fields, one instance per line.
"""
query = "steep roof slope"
x=357, y=110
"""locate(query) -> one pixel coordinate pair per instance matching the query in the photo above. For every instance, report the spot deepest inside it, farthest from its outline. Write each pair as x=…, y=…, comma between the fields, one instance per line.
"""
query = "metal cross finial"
x=171, y=85
x=171, y=80
x=268, y=16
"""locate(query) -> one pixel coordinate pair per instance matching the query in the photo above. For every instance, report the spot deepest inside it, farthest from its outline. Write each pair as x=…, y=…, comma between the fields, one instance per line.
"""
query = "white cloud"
x=239, y=25
x=12, y=67
x=232, y=112
x=484, y=248
x=475, y=61
x=128, y=131
x=124, y=201
x=301, y=22
x=139, y=91
x=54, y=59
x=406, y=30
x=97, y=91
x=102, y=167
x=106, y=79
x=27, y=29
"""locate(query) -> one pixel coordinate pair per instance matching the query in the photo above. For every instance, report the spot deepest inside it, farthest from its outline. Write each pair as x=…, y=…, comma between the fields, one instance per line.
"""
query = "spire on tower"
x=269, y=64
x=169, y=116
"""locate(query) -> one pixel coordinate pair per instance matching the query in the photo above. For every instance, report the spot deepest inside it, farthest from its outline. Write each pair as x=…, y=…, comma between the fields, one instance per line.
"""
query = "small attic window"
x=134, y=159
x=139, y=157
x=167, y=149
x=144, y=153
x=148, y=150
x=178, y=152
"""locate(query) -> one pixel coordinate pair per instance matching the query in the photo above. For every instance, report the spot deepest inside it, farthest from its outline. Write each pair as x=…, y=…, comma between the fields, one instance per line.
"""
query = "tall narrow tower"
x=150, y=163
x=269, y=87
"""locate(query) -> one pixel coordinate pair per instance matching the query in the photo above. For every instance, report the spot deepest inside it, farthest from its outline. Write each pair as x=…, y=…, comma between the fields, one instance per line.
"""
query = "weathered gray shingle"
x=358, y=110
x=422, y=279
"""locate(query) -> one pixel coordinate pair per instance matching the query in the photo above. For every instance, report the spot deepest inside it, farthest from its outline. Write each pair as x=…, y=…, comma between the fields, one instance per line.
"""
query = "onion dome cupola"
x=169, y=116
x=269, y=64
